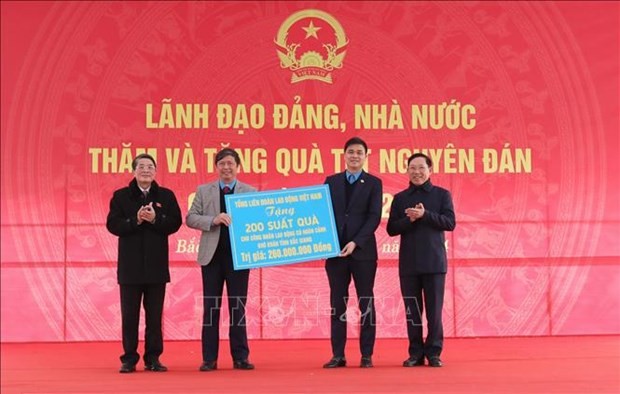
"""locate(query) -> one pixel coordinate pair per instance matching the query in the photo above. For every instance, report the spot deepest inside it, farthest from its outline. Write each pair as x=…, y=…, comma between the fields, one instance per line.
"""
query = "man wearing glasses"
x=142, y=216
x=208, y=214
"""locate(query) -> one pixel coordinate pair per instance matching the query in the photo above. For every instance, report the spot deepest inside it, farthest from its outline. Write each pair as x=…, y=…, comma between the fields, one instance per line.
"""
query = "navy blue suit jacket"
x=361, y=215
x=422, y=243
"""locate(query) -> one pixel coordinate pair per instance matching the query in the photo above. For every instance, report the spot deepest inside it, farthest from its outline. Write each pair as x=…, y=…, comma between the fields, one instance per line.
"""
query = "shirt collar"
x=426, y=186
x=356, y=175
x=231, y=185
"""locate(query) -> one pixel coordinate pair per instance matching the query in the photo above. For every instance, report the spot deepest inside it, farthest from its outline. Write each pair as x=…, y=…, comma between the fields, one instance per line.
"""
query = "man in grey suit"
x=208, y=214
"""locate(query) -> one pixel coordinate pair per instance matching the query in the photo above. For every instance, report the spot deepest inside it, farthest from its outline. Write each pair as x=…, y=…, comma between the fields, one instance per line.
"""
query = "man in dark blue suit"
x=420, y=214
x=356, y=200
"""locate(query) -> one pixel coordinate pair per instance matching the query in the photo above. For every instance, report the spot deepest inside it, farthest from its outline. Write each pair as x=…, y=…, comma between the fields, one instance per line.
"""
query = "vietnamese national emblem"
x=311, y=43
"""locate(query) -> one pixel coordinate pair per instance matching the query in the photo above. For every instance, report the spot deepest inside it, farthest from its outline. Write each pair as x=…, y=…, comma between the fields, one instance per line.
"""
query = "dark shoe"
x=435, y=361
x=366, y=362
x=127, y=368
x=336, y=362
x=208, y=366
x=413, y=362
x=155, y=366
x=242, y=364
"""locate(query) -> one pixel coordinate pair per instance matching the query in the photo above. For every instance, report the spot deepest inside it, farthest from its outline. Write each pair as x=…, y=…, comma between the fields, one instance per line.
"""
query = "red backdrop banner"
x=516, y=102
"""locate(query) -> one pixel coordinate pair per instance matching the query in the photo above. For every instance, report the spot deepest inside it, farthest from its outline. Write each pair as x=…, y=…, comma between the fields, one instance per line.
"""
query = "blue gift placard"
x=282, y=227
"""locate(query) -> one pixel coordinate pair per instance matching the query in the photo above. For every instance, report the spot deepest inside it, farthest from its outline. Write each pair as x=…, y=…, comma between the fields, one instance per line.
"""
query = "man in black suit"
x=420, y=214
x=356, y=199
x=143, y=215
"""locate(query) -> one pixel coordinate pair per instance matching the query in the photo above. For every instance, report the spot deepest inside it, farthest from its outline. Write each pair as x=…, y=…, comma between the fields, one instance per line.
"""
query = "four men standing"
x=144, y=214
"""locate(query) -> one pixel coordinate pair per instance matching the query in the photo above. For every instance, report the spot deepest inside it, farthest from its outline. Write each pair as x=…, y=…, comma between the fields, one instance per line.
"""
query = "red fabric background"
x=534, y=252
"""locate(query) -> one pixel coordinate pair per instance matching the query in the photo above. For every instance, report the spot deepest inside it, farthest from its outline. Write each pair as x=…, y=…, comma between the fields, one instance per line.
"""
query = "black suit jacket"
x=422, y=243
x=361, y=216
x=143, y=249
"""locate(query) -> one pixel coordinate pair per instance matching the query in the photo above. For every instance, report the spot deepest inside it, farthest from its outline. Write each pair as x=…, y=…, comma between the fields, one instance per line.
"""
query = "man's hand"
x=222, y=218
x=146, y=213
x=348, y=249
x=415, y=213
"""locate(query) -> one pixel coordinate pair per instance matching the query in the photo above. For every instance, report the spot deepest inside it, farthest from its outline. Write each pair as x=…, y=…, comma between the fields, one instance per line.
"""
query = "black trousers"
x=419, y=292
x=152, y=297
x=214, y=275
x=339, y=273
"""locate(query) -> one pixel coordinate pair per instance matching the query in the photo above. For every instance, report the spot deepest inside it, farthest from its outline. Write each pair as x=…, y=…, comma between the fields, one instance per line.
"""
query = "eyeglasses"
x=223, y=164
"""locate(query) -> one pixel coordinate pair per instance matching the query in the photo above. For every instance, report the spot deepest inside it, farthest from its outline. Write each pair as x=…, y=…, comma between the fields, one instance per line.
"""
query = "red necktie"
x=226, y=190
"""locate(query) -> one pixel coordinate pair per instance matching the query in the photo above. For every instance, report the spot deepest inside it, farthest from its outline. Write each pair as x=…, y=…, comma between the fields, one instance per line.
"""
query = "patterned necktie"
x=226, y=190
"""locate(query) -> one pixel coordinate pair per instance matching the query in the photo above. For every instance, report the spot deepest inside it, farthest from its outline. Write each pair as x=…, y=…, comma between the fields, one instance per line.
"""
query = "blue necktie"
x=351, y=178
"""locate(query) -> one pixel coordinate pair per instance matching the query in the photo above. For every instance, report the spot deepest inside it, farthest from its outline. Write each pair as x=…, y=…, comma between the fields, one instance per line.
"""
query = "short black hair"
x=356, y=141
x=134, y=163
x=228, y=152
x=428, y=160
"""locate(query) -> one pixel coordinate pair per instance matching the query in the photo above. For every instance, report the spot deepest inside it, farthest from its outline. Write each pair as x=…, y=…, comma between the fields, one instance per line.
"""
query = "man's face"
x=418, y=171
x=227, y=168
x=355, y=157
x=145, y=172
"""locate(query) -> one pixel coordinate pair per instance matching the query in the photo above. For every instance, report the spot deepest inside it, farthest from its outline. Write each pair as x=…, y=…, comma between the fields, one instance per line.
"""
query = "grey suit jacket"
x=204, y=209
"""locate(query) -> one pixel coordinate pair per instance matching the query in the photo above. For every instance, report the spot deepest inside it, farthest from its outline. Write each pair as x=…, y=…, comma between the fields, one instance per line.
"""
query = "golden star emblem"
x=311, y=30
